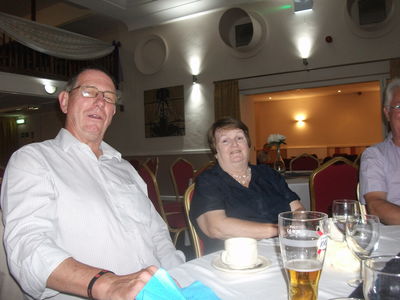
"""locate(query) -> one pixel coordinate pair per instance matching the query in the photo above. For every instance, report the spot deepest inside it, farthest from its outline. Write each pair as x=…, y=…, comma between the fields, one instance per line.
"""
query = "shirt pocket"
x=132, y=206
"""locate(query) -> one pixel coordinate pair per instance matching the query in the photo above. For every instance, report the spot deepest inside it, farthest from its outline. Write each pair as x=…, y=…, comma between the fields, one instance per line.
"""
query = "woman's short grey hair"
x=390, y=89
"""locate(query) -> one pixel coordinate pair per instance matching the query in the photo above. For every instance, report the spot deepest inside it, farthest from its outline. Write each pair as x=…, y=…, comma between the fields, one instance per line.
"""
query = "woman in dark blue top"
x=235, y=199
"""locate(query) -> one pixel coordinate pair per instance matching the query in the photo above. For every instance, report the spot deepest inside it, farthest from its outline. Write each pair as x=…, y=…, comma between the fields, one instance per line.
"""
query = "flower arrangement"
x=276, y=140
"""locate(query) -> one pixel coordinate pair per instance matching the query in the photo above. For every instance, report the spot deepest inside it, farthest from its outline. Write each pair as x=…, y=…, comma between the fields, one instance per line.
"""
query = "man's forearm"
x=388, y=213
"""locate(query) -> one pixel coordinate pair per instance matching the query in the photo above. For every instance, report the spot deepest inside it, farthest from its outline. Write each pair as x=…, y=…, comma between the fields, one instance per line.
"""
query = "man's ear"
x=63, y=98
x=386, y=112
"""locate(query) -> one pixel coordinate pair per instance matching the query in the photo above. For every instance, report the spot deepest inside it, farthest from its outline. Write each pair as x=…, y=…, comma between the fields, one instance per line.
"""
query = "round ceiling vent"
x=151, y=54
x=242, y=31
x=371, y=18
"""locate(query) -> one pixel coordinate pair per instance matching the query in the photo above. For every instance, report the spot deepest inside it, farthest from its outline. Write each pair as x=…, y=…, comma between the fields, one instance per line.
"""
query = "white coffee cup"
x=240, y=253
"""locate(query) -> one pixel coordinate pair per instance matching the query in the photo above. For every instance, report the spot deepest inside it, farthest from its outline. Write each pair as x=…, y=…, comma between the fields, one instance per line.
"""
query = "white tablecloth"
x=300, y=186
x=270, y=283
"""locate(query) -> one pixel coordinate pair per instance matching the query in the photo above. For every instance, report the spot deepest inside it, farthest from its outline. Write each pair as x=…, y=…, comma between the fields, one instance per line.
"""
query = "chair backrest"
x=304, y=162
x=135, y=163
x=181, y=172
x=336, y=179
x=152, y=163
x=208, y=165
x=197, y=242
x=152, y=189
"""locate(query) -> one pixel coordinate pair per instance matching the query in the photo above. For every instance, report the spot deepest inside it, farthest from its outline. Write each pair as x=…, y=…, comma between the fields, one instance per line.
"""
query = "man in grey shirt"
x=380, y=165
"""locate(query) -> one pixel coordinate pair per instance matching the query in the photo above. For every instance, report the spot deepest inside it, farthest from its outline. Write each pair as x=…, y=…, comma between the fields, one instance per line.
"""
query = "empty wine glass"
x=362, y=236
x=344, y=210
x=381, y=276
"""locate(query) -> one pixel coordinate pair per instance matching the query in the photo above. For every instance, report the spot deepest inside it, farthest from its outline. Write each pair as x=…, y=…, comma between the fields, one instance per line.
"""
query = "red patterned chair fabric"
x=172, y=212
x=182, y=172
x=336, y=179
x=304, y=162
x=135, y=163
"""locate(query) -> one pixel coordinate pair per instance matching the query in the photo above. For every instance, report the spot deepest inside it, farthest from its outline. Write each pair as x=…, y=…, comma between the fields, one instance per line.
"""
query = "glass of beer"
x=303, y=237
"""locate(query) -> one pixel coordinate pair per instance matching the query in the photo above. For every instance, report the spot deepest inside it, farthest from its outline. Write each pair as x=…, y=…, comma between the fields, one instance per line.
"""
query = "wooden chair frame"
x=303, y=155
x=198, y=250
x=208, y=165
x=179, y=197
x=321, y=168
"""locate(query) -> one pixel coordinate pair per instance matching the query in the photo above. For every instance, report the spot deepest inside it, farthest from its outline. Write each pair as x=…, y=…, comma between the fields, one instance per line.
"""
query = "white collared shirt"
x=60, y=201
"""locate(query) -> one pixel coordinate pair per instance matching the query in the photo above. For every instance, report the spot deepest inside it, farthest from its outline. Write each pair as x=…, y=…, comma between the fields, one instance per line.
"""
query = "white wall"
x=200, y=37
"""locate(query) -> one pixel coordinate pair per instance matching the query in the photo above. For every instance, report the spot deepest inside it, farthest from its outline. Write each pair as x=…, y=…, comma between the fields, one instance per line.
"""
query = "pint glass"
x=303, y=237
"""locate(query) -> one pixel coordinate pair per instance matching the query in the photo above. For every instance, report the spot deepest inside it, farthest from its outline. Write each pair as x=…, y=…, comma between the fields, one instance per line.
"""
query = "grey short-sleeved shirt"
x=380, y=170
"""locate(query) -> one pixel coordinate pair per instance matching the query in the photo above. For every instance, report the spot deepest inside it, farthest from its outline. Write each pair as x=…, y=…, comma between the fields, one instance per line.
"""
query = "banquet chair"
x=171, y=211
x=336, y=179
x=152, y=164
x=181, y=172
x=135, y=163
x=208, y=165
x=197, y=242
x=304, y=162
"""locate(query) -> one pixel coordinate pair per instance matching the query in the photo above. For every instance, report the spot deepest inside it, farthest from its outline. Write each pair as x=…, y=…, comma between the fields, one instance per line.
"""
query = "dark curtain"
x=8, y=139
x=226, y=99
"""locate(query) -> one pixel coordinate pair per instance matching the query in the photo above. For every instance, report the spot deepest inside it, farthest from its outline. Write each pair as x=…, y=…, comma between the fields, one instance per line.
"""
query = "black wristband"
x=92, y=282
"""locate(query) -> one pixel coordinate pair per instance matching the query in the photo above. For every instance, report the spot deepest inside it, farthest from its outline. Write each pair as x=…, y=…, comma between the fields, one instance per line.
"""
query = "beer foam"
x=304, y=265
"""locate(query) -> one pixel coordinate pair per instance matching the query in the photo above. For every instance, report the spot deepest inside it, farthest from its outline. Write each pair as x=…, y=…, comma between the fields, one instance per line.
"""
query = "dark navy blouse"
x=267, y=195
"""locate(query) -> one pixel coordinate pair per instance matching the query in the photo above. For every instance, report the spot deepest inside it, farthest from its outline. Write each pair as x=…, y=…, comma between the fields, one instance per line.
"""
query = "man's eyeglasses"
x=395, y=107
x=88, y=91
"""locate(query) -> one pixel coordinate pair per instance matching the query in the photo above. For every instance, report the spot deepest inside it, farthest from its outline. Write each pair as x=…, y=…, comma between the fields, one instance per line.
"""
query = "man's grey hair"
x=390, y=89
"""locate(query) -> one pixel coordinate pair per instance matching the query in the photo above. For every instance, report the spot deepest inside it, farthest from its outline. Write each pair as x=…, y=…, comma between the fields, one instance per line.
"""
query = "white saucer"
x=262, y=264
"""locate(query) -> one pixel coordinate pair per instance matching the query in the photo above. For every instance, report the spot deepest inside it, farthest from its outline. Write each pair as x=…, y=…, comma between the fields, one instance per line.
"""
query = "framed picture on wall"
x=164, y=112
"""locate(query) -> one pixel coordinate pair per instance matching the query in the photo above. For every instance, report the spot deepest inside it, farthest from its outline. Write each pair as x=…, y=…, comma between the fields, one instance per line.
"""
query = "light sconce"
x=305, y=61
x=20, y=121
x=50, y=89
x=302, y=5
x=300, y=120
x=195, y=79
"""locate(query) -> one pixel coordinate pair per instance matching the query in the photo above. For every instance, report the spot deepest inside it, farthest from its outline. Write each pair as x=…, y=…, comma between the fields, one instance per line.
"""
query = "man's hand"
x=126, y=287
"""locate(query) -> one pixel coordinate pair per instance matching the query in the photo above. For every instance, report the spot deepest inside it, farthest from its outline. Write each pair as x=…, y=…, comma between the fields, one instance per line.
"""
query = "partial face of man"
x=393, y=115
x=88, y=118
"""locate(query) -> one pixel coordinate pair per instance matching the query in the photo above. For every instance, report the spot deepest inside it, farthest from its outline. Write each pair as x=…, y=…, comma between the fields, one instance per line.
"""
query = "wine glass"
x=344, y=210
x=382, y=277
x=362, y=236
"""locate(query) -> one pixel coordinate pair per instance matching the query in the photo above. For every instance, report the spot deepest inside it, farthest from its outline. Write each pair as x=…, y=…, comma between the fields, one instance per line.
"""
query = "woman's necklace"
x=243, y=179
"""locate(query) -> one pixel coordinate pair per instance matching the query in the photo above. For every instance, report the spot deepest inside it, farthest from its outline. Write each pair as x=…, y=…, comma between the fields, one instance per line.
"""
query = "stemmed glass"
x=343, y=211
x=362, y=236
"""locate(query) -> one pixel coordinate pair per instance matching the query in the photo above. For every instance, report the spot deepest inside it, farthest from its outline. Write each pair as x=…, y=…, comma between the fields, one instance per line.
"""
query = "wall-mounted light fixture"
x=195, y=79
x=20, y=121
x=300, y=120
x=302, y=5
x=50, y=89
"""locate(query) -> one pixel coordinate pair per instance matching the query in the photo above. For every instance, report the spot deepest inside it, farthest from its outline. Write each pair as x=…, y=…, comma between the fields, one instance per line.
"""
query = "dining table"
x=298, y=182
x=270, y=282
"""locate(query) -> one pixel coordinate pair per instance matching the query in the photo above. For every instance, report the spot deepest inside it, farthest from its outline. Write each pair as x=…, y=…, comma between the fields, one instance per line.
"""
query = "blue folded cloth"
x=161, y=286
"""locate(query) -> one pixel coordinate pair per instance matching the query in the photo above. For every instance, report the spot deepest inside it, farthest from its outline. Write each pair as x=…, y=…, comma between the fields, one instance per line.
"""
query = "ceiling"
x=94, y=17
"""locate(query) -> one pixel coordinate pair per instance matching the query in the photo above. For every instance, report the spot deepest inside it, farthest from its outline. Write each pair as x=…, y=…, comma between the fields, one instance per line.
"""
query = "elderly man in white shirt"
x=78, y=222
